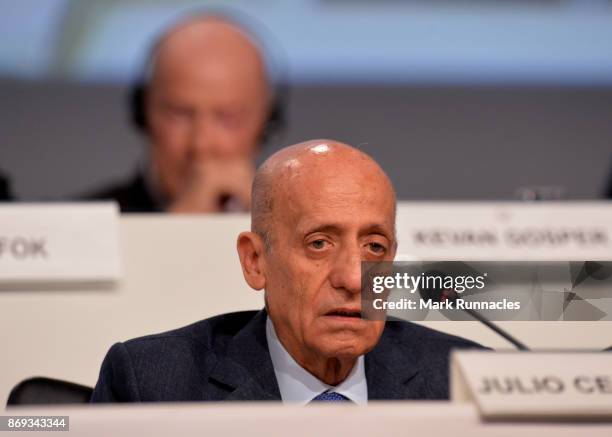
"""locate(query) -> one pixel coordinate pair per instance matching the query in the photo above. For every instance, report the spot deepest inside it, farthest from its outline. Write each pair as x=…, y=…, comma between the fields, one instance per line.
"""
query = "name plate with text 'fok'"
x=559, y=386
x=59, y=243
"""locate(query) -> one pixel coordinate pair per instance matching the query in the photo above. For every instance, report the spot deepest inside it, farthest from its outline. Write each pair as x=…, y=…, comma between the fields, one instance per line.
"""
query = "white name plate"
x=534, y=385
x=54, y=242
x=505, y=231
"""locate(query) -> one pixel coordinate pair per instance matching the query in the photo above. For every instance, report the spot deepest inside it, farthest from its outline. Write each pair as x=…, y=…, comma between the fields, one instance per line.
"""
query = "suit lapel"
x=390, y=370
x=246, y=370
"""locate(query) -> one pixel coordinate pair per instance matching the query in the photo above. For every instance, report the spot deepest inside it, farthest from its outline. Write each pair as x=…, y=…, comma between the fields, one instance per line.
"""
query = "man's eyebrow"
x=369, y=229
x=378, y=228
x=331, y=228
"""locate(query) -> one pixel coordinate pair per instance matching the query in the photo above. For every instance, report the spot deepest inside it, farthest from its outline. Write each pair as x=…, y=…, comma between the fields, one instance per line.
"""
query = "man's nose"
x=346, y=272
x=204, y=138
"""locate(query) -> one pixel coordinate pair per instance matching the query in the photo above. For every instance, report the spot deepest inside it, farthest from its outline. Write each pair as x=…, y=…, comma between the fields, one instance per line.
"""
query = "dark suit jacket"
x=226, y=358
x=132, y=196
x=5, y=192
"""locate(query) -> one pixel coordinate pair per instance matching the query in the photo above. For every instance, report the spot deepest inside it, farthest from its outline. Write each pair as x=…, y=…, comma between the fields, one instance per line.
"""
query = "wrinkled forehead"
x=349, y=190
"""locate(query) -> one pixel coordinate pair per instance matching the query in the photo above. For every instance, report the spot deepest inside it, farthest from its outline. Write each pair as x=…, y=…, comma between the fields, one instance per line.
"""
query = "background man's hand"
x=216, y=186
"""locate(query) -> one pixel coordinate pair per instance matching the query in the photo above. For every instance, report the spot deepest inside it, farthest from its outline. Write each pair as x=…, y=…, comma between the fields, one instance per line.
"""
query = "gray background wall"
x=61, y=139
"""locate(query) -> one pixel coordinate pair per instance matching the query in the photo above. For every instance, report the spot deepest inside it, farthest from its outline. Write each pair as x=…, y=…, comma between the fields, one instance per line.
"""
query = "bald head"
x=208, y=46
x=315, y=166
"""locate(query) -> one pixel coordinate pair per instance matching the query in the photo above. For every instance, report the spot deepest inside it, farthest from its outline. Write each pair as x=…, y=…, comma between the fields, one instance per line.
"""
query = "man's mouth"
x=344, y=312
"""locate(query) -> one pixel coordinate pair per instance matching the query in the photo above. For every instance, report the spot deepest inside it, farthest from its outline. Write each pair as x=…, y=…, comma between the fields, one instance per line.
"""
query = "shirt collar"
x=297, y=385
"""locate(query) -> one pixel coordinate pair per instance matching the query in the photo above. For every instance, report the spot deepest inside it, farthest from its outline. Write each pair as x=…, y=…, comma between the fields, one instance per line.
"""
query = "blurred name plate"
x=531, y=386
x=57, y=243
x=505, y=231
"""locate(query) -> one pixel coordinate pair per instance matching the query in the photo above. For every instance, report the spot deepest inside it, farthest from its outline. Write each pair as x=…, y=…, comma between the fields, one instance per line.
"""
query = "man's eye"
x=377, y=248
x=318, y=244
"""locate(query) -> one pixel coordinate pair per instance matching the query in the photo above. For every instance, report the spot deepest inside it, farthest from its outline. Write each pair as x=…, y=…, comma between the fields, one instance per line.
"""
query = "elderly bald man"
x=204, y=105
x=319, y=209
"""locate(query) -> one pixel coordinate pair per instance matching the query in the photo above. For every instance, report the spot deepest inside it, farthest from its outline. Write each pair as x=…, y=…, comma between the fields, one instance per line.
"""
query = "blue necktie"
x=330, y=396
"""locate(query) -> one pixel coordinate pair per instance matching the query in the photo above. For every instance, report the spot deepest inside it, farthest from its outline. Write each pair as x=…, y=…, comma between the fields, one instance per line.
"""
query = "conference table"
x=431, y=419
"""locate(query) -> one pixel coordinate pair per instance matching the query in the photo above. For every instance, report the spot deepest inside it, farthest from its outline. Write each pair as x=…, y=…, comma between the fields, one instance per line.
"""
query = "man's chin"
x=345, y=337
x=346, y=351
x=344, y=345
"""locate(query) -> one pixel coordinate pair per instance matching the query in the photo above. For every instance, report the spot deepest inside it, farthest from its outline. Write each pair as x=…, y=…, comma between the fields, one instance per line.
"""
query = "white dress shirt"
x=298, y=386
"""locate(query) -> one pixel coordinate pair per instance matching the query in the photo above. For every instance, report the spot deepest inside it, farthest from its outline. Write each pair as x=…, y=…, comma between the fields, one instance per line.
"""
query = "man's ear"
x=251, y=250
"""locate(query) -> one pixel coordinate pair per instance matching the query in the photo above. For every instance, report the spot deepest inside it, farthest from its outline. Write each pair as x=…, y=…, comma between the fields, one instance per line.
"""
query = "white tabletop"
x=431, y=418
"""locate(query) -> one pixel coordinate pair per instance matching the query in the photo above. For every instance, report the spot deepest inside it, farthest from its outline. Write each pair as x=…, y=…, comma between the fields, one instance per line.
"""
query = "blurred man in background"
x=205, y=104
x=5, y=192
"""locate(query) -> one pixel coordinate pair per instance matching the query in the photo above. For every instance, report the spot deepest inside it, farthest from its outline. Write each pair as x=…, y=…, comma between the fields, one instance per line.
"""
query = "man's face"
x=325, y=223
x=203, y=108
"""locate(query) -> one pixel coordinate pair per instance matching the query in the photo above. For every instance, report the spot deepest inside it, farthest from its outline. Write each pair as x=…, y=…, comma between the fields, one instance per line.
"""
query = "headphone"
x=276, y=120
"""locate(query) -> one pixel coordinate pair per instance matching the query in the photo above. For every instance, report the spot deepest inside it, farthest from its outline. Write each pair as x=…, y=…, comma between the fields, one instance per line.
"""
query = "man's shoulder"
x=5, y=193
x=132, y=195
x=414, y=353
x=169, y=366
x=212, y=334
x=419, y=337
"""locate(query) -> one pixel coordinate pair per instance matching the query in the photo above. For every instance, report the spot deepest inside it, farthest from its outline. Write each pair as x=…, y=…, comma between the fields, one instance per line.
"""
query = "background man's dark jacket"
x=5, y=192
x=132, y=196
x=226, y=358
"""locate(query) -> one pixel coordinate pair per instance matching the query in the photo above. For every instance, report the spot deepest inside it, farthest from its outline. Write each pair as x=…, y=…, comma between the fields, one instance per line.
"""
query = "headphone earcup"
x=137, y=106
